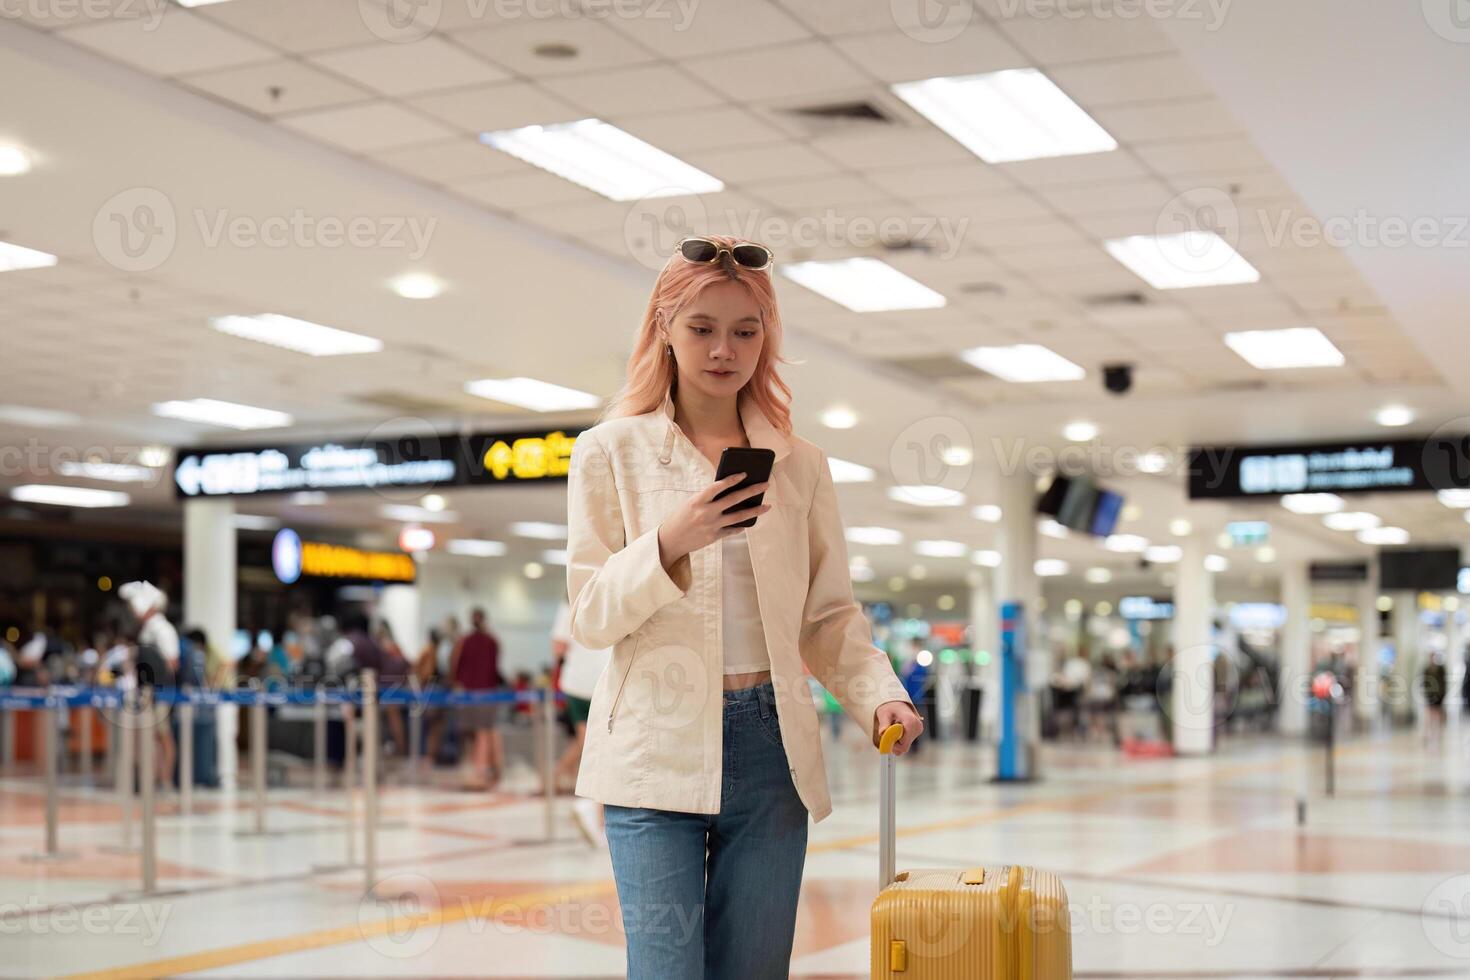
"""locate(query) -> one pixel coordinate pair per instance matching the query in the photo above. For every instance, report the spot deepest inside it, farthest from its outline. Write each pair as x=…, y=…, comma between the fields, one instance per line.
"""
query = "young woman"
x=702, y=738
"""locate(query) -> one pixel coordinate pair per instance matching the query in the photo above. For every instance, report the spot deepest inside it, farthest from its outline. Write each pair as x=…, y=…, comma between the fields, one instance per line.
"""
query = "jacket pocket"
x=612, y=712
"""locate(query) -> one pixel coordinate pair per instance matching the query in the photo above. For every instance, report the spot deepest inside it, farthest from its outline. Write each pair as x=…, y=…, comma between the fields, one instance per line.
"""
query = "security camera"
x=1118, y=378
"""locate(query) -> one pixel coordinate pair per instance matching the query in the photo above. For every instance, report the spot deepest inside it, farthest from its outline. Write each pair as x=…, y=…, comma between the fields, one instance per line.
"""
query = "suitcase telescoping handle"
x=886, y=805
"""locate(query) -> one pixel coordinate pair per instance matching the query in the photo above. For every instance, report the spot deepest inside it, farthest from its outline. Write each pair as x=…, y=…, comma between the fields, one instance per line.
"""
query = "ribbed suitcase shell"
x=1012, y=926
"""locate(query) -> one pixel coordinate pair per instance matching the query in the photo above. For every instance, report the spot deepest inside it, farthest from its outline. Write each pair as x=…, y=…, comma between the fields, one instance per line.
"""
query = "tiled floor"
x=1175, y=868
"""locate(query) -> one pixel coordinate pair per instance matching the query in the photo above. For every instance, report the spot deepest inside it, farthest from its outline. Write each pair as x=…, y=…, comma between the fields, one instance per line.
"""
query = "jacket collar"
x=758, y=429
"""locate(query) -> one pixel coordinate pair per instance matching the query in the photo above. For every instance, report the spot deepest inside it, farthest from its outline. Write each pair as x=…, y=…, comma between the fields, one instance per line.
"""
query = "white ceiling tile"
x=179, y=42
x=1185, y=118
x=1108, y=197
x=372, y=126
x=1192, y=156
x=1078, y=169
x=447, y=160
x=408, y=69
x=891, y=145
x=894, y=56
x=780, y=72
x=987, y=208
x=513, y=45
x=1145, y=79
x=678, y=132
x=961, y=179
x=772, y=161
x=648, y=88
x=274, y=87
x=693, y=30
x=1075, y=35
x=816, y=192
x=1050, y=230
x=834, y=18
x=495, y=107
x=1051, y=258
x=293, y=25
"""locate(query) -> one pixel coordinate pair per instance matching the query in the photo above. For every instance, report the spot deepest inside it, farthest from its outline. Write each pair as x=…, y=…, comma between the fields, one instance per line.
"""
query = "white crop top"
x=745, y=643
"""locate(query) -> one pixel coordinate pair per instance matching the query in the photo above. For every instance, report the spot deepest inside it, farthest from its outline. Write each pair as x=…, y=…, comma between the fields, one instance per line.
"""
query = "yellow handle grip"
x=890, y=736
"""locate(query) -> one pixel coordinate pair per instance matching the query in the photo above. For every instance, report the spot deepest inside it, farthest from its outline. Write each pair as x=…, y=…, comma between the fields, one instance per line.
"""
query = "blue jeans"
x=714, y=895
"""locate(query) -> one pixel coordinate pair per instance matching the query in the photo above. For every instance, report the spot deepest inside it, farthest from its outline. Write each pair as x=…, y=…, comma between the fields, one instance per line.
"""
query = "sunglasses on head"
x=747, y=255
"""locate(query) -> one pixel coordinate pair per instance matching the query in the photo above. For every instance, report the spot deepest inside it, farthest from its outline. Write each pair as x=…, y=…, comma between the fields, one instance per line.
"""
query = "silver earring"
x=670, y=349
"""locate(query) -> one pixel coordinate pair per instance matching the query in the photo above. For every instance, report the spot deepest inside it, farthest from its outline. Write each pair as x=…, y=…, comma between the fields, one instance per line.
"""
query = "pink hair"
x=652, y=373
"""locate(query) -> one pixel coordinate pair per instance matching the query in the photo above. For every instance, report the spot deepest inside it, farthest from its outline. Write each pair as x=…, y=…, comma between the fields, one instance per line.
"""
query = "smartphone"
x=755, y=464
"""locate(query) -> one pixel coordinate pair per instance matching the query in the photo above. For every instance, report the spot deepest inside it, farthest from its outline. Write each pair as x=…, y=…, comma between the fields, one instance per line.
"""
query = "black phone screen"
x=755, y=464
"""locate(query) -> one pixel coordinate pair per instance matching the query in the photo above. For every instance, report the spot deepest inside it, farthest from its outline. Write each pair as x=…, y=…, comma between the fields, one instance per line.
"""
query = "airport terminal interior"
x=1125, y=334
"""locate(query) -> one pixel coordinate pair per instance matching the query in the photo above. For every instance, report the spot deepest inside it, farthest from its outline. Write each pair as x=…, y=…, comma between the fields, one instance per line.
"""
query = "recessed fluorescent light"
x=1017, y=114
x=1163, y=554
x=604, y=159
x=1098, y=576
x=554, y=556
x=417, y=285
x=1183, y=261
x=410, y=514
x=301, y=336
x=926, y=495
x=1265, y=554
x=1180, y=527
x=434, y=502
x=989, y=513
x=1383, y=535
x=845, y=472
x=1394, y=416
x=1216, y=563
x=415, y=539
x=1049, y=567
x=874, y=535
x=539, y=529
x=1052, y=529
x=1456, y=498
x=111, y=472
x=1023, y=363
x=308, y=498
x=839, y=417
x=40, y=418
x=17, y=258
x=538, y=396
x=863, y=285
x=40, y=493
x=1352, y=520
x=14, y=161
x=941, y=549
x=476, y=547
x=1312, y=503
x=986, y=557
x=1294, y=347
x=956, y=456
x=1079, y=431
x=1126, y=543
x=154, y=456
x=227, y=415
x=256, y=522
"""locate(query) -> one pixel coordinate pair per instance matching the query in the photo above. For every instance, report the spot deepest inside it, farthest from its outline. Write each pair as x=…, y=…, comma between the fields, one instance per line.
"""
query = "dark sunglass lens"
x=751, y=256
x=699, y=251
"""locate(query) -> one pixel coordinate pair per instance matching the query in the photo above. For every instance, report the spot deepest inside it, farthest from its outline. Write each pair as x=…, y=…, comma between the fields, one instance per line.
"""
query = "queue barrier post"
x=147, y=778
x=49, y=718
x=349, y=778
x=370, y=745
x=186, y=756
x=548, y=756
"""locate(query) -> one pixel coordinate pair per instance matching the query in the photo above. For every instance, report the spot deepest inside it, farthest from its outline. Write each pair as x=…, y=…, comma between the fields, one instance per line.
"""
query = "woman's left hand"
x=898, y=713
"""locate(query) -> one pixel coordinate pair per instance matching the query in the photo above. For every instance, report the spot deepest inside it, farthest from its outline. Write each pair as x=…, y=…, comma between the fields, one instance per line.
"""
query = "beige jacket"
x=655, y=729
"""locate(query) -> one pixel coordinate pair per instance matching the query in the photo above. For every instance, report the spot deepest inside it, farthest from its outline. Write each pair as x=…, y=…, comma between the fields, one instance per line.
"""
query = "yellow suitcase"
x=996, y=923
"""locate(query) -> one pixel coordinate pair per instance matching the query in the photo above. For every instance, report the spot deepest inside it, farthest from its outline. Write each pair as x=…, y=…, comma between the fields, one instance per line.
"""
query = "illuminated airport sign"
x=418, y=461
x=293, y=559
x=1145, y=607
x=1369, y=466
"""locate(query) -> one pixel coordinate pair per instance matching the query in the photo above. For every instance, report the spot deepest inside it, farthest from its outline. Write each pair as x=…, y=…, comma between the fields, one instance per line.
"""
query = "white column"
x=985, y=632
x=1365, y=684
x=1192, y=706
x=209, y=598
x=399, y=607
x=1015, y=581
x=1296, y=647
x=1454, y=666
x=1406, y=656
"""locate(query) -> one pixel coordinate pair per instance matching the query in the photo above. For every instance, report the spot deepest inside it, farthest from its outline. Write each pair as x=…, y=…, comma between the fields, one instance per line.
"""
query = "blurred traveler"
x=476, y=668
x=581, y=669
x=156, y=660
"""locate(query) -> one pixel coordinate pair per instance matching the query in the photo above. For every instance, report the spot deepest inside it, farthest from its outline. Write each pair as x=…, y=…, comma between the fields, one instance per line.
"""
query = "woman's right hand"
x=702, y=519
